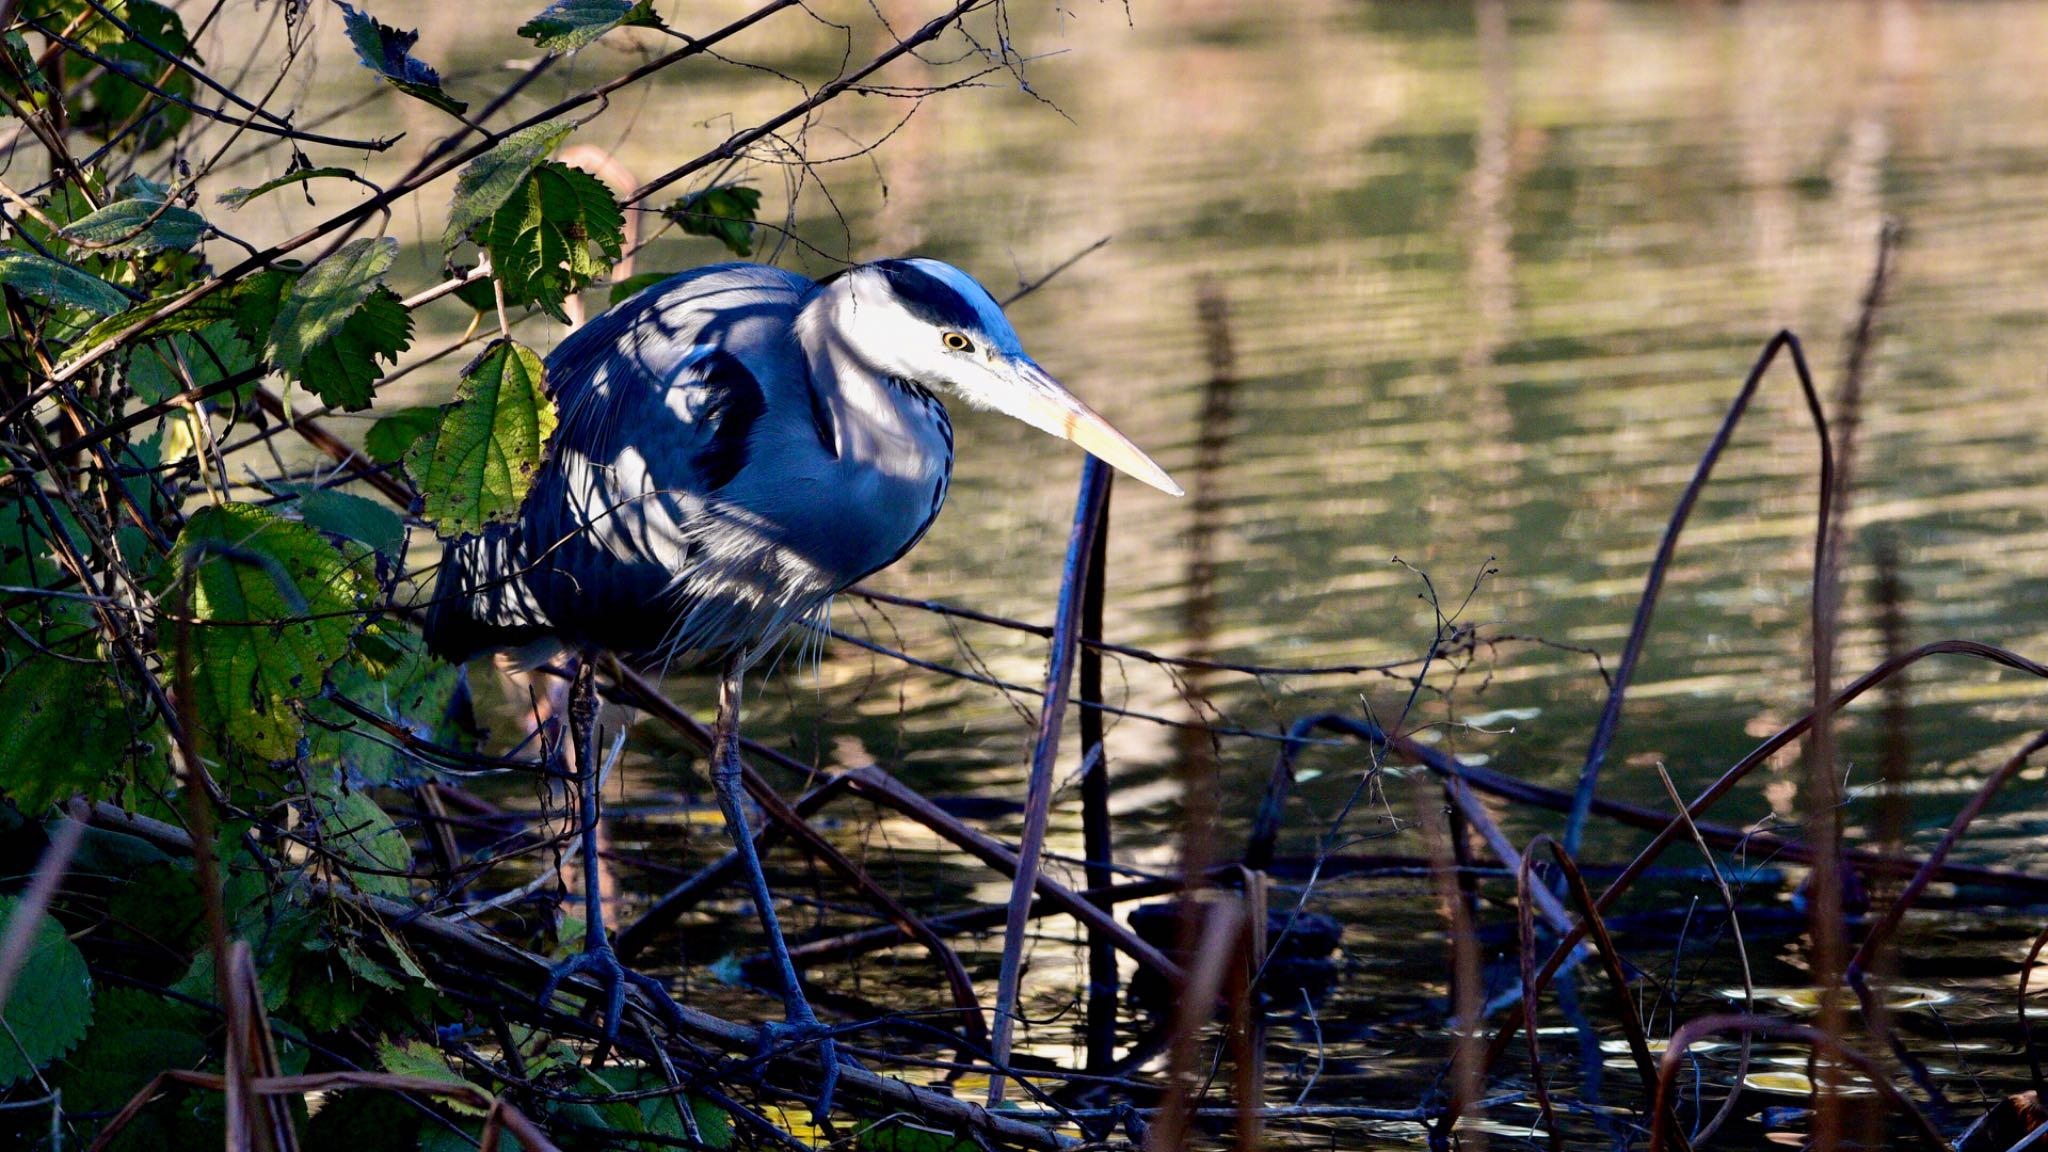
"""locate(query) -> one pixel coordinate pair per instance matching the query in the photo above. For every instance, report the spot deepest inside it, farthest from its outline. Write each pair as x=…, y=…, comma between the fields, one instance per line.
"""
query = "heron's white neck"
x=876, y=422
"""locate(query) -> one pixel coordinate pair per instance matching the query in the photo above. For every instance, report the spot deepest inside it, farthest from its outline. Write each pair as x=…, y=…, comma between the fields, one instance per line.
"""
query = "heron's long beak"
x=1045, y=404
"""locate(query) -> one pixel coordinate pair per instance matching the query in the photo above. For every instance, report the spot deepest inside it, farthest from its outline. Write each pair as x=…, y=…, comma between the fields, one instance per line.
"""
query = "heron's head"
x=928, y=322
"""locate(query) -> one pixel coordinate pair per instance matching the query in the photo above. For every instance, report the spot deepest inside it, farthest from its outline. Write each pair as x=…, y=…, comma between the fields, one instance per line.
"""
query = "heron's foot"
x=602, y=967
x=801, y=1030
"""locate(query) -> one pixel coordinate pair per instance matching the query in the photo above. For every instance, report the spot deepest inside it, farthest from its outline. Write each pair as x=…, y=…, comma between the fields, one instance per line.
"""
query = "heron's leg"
x=597, y=959
x=801, y=1023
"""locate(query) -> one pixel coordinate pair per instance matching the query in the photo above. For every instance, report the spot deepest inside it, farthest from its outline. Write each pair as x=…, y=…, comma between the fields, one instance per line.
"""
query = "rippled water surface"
x=1408, y=290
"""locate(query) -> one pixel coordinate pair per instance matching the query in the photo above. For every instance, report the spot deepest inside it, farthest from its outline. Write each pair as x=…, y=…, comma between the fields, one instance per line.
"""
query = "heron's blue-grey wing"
x=661, y=400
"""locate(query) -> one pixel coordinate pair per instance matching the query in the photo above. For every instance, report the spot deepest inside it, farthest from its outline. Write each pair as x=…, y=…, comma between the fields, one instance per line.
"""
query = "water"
x=1490, y=276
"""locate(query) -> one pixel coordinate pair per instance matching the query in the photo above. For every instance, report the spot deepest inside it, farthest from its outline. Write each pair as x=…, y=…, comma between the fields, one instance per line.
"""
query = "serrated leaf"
x=421, y=1059
x=273, y=607
x=567, y=25
x=322, y=299
x=116, y=106
x=191, y=318
x=254, y=303
x=387, y=51
x=39, y=277
x=355, y=829
x=135, y=1035
x=158, y=369
x=234, y=198
x=411, y=689
x=137, y=225
x=492, y=178
x=725, y=212
x=482, y=457
x=50, y=1007
x=393, y=436
x=903, y=1136
x=66, y=733
x=540, y=240
x=343, y=369
x=355, y=518
x=657, y=1115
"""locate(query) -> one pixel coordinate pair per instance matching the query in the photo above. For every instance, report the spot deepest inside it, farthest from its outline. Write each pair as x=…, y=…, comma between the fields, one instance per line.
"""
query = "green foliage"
x=724, y=212
x=353, y=517
x=540, y=239
x=67, y=732
x=273, y=606
x=325, y=296
x=391, y=675
x=137, y=224
x=421, y=1059
x=50, y=1007
x=330, y=327
x=387, y=51
x=355, y=830
x=654, y=1115
x=344, y=368
x=235, y=198
x=38, y=276
x=163, y=367
x=492, y=178
x=365, y=1122
x=135, y=1034
x=476, y=467
x=391, y=437
x=903, y=1136
x=567, y=25
x=119, y=104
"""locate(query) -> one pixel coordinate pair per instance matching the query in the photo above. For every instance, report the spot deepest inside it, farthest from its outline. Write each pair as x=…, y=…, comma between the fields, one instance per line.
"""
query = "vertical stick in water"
x=1095, y=838
x=1038, y=799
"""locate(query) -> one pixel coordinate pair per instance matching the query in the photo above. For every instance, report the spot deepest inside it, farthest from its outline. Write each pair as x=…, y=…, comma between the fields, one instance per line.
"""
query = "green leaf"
x=50, y=1007
x=632, y=285
x=903, y=1136
x=656, y=1115
x=273, y=607
x=411, y=689
x=66, y=732
x=492, y=178
x=567, y=25
x=191, y=318
x=540, y=240
x=476, y=467
x=387, y=51
x=158, y=369
x=139, y=224
x=134, y=1036
x=324, y=297
x=355, y=518
x=343, y=369
x=725, y=212
x=117, y=107
x=40, y=278
x=421, y=1059
x=393, y=436
x=234, y=198
x=354, y=828
x=366, y=1122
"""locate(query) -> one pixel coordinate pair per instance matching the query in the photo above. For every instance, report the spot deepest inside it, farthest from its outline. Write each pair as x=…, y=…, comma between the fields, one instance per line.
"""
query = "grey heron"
x=736, y=445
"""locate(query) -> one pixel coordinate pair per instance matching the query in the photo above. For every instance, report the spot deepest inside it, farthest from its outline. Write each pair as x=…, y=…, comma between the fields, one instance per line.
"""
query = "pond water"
x=1418, y=288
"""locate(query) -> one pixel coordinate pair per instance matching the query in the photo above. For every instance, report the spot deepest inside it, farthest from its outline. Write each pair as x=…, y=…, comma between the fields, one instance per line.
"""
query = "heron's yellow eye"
x=959, y=343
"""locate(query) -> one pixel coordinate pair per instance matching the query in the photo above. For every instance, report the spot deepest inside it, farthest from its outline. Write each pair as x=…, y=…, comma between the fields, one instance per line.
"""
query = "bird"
x=736, y=445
